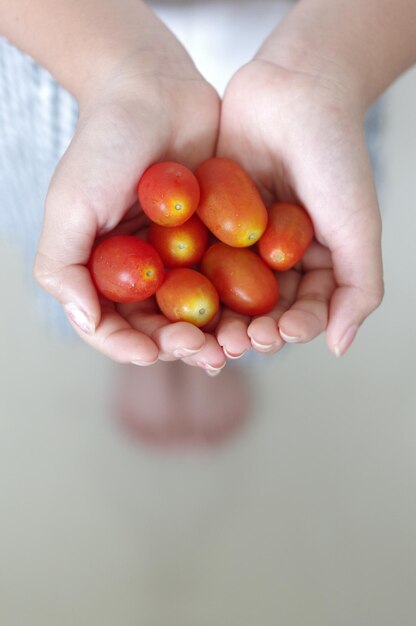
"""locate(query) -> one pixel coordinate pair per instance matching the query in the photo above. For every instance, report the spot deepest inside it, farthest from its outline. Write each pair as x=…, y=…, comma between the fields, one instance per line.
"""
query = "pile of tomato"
x=197, y=255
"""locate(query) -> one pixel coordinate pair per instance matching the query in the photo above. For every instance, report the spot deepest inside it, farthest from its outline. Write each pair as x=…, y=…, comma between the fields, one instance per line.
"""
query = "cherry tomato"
x=180, y=246
x=230, y=206
x=126, y=269
x=168, y=193
x=244, y=282
x=188, y=296
x=289, y=233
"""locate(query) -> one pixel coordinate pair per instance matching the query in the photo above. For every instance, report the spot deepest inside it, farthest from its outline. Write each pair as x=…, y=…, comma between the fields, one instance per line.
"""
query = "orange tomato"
x=180, y=246
x=288, y=235
x=230, y=205
x=168, y=193
x=188, y=296
x=244, y=282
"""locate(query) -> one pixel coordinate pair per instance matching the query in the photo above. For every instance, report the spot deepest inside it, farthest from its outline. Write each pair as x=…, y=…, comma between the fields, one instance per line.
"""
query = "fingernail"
x=80, y=319
x=211, y=371
x=233, y=356
x=181, y=353
x=262, y=346
x=346, y=341
x=288, y=338
x=144, y=363
x=214, y=372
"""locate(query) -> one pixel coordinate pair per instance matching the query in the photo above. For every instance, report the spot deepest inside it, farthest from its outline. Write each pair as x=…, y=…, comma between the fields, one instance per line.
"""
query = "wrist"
x=357, y=46
x=84, y=44
x=132, y=61
x=305, y=63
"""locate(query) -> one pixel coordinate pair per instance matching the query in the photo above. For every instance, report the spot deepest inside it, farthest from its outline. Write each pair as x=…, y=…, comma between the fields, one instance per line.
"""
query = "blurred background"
x=307, y=517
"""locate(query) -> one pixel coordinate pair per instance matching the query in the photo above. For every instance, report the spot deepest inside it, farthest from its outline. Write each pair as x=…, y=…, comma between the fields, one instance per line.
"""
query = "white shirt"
x=221, y=35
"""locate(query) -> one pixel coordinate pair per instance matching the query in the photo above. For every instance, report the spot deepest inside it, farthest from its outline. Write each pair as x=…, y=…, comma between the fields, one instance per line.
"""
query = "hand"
x=155, y=106
x=300, y=136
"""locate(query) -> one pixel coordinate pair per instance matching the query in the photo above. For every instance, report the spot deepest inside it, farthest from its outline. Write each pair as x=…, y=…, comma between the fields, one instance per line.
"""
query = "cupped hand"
x=300, y=136
x=154, y=107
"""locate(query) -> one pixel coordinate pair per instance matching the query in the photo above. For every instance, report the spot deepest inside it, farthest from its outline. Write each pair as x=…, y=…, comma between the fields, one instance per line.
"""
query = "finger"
x=179, y=340
x=308, y=315
x=72, y=286
x=211, y=358
x=263, y=330
x=358, y=271
x=349, y=224
x=115, y=338
x=174, y=340
x=232, y=335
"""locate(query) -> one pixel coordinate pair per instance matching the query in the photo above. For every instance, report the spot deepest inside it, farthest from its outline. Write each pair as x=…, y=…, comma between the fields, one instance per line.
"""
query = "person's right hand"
x=155, y=107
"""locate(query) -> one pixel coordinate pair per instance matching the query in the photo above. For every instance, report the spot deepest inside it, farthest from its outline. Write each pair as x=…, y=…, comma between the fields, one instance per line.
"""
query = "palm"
x=188, y=135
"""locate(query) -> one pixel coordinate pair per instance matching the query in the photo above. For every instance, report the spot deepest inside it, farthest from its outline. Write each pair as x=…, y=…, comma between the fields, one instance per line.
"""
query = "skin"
x=141, y=100
x=293, y=117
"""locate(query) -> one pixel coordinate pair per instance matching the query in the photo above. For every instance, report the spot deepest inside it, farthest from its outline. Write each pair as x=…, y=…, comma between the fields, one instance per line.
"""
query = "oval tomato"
x=180, y=246
x=244, y=282
x=288, y=235
x=230, y=206
x=168, y=193
x=126, y=269
x=188, y=296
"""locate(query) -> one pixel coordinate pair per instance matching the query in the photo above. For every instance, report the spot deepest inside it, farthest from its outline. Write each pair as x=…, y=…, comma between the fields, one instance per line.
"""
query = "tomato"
x=180, y=246
x=126, y=269
x=230, y=206
x=188, y=296
x=244, y=282
x=168, y=193
x=288, y=235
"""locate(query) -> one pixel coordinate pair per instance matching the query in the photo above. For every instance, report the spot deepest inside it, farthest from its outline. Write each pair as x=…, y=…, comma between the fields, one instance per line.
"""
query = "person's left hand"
x=300, y=137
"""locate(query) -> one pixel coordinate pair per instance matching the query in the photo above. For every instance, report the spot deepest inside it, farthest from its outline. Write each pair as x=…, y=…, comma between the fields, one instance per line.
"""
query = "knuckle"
x=46, y=275
x=376, y=297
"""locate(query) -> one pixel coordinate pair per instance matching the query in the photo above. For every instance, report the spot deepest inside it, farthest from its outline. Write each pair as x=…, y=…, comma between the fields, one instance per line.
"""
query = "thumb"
x=355, y=245
x=68, y=234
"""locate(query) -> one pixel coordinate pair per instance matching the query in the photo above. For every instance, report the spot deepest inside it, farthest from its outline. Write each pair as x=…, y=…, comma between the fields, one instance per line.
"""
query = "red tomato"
x=169, y=193
x=126, y=269
x=188, y=296
x=230, y=204
x=180, y=246
x=244, y=282
x=289, y=233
